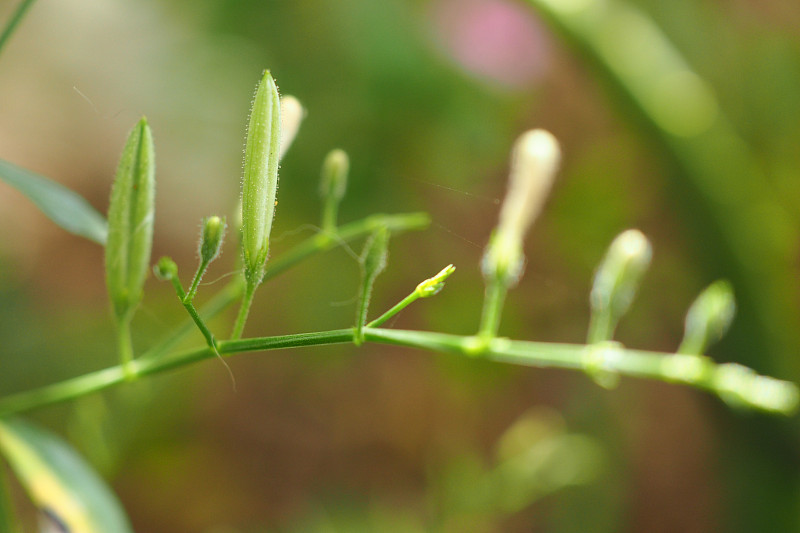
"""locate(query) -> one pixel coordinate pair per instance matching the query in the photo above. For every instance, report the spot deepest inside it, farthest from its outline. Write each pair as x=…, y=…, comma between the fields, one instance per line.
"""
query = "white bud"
x=292, y=114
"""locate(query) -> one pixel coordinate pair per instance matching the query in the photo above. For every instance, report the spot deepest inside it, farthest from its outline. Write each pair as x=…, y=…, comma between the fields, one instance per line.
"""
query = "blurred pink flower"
x=497, y=39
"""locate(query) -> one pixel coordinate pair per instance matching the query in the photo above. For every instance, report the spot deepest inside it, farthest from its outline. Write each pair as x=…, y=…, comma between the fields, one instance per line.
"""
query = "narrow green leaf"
x=59, y=481
x=130, y=221
x=61, y=205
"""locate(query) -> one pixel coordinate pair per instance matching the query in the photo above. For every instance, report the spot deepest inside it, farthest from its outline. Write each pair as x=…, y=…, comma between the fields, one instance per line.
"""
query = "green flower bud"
x=618, y=276
x=260, y=182
x=709, y=318
x=332, y=186
x=534, y=162
x=212, y=237
x=334, y=175
x=165, y=269
x=130, y=221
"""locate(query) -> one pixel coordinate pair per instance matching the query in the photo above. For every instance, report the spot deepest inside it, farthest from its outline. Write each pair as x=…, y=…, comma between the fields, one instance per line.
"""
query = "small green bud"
x=534, y=161
x=334, y=175
x=708, y=318
x=165, y=269
x=260, y=182
x=212, y=237
x=292, y=114
x=432, y=286
x=618, y=276
x=130, y=221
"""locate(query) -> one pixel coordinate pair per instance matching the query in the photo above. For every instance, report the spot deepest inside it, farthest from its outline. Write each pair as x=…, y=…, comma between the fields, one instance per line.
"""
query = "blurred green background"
x=427, y=98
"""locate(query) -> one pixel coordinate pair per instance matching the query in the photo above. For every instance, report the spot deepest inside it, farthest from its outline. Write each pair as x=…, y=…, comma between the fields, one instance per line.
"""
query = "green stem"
x=14, y=20
x=244, y=309
x=201, y=270
x=189, y=306
x=405, y=302
x=492, y=309
x=636, y=363
x=318, y=243
x=125, y=344
x=600, y=327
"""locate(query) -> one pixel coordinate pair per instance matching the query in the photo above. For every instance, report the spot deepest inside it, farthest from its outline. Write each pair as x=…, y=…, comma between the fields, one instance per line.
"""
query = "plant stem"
x=13, y=21
x=600, y=327
x=492, y=309
x=318, y=243
x=125, y=345
x=405, y=302
x=244, y=309
x=635, y=363
x=201, y=269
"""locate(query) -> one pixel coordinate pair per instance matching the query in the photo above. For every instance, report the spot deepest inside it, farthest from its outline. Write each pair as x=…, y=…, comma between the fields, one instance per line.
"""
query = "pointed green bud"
x=130, y=221
x=212, y=237
x=618, y=276
x=292, y=114
x=334, y=175
x=165, y=269
x=709, y=318
x=260, y=182
x=534, y=162
x=432, y=286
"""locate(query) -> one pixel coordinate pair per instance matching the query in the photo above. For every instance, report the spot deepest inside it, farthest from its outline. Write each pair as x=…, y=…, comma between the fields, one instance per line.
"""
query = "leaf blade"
x=63, y=206
x=59, y=481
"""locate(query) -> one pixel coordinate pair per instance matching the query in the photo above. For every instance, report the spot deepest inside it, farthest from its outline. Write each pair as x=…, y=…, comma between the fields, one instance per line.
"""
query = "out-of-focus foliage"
x=426, y=98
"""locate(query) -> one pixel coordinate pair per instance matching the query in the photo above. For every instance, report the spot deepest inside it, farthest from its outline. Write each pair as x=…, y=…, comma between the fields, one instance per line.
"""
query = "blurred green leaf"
x=59, y=481
x=61, y=205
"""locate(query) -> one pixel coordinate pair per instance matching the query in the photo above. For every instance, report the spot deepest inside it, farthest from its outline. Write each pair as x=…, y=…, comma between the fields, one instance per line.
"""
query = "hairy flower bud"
x=130, y=221
x=260, y=182
x=212, y=237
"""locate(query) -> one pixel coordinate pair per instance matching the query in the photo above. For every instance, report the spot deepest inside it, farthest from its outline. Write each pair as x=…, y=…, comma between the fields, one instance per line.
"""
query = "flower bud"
x=432, y=286
x=260, y=182
x=334, y=175
x=292, y=114
x=130, y=221
x=212, y=237
x=709, y=318
x=618, y=276
x=165, y=269
x=534, y=162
